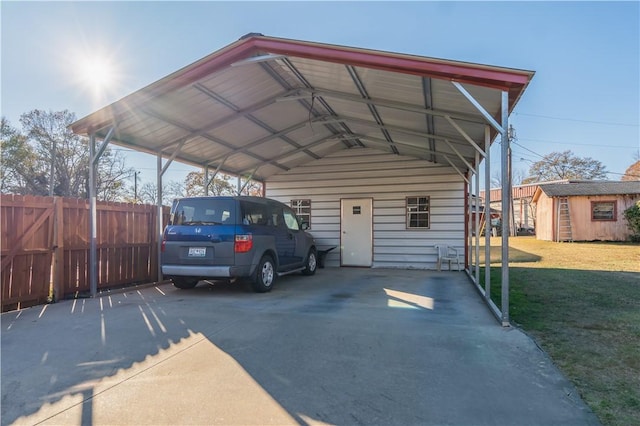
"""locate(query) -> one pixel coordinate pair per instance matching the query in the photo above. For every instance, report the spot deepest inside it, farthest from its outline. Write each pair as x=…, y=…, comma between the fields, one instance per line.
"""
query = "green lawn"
x=581, y=302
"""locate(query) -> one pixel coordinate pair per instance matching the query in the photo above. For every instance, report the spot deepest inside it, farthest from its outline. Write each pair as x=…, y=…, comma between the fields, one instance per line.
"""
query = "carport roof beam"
x=456, y=168
x=312, y=144
x=380, y=141
x=245, y=148
x=172, y=157
x=247, y=179
x=403, y=106
x=103, y=145
x=208, y=182
x=453, y=148
x=360, y=121
x=466, y=136
x=479, y=107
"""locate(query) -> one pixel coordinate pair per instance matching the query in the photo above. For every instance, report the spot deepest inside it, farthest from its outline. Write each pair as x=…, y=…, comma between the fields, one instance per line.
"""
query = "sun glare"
x=96, y=74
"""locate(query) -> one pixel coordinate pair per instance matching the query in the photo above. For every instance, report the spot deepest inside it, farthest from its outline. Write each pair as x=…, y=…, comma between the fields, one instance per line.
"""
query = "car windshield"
x=202, y=211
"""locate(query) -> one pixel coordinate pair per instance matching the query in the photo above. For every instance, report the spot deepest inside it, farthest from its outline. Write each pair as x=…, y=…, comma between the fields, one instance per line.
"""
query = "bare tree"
x=148, y=192
x=565, y=165
x=47, y=158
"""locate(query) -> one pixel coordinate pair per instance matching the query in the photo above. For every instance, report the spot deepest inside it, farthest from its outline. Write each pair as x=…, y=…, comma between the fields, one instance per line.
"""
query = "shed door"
x=356, y=223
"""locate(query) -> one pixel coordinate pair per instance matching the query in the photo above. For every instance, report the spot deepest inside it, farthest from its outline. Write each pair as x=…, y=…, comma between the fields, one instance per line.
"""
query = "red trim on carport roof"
x=394, y=62
x=336, y=54
x=242, y=49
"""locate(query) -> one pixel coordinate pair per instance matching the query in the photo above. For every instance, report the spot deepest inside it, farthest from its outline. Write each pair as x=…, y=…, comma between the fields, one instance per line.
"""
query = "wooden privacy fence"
x=45, y=244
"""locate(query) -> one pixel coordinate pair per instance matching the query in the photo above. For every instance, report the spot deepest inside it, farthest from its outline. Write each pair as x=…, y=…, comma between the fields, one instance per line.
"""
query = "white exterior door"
x=356, y=233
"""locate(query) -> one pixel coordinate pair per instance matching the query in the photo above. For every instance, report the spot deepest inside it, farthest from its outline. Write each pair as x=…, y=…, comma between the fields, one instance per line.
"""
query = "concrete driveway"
x=346, y=346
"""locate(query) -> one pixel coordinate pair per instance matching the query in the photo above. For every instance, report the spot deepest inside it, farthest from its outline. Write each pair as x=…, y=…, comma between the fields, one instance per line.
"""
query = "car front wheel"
x=265, y=275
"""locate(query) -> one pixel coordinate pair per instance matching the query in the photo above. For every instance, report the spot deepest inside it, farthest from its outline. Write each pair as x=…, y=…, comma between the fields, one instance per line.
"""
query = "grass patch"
x=581, y=302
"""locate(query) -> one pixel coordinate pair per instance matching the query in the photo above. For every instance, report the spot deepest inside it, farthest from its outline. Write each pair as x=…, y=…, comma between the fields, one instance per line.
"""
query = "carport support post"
x=487, y=214
x=476, y=225
x=94, y=157
x=206, y=181
x=159, y=204
x=506, y=206
x=93, y=219
x=159, y=173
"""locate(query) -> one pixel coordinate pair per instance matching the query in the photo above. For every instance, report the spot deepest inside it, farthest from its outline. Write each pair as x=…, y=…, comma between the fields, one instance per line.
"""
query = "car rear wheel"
x=264, y=276
x=311, y=264
x=184, y=283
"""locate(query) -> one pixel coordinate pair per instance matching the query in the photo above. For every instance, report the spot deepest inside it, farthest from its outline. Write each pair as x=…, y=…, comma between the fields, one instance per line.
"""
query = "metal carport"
x=263, y=105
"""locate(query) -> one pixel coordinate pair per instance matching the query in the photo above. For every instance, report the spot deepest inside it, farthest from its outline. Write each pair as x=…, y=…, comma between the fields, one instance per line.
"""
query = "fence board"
x=27, y=247
x=31, y=234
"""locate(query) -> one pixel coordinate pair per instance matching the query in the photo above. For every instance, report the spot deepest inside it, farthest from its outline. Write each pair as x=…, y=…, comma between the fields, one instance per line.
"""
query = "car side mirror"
x=304, y=226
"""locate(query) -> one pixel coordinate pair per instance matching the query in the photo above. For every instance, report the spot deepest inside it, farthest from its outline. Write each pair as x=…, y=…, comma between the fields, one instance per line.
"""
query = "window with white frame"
x=418, y=211
x=302, y=208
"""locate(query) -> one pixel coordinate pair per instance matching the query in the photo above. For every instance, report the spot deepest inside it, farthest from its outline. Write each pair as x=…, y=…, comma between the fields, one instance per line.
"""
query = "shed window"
x=603, y=210
x=302, y=208
x=417, y=212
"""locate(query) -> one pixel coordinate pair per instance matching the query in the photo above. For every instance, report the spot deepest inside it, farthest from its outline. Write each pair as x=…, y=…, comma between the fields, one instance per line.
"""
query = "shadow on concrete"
x=346, y=346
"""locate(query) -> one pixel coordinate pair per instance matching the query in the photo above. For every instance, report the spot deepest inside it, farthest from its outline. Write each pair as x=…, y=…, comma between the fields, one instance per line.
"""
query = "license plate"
x=197, y=251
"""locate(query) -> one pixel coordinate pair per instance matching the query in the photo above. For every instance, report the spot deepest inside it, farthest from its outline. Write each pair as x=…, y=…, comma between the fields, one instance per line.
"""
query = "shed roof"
x=588, y=188
x=263, y=105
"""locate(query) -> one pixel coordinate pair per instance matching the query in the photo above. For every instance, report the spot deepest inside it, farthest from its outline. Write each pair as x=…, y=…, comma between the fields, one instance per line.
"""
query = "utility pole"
x=52, y=179
x=135, y=187
x=512, y=138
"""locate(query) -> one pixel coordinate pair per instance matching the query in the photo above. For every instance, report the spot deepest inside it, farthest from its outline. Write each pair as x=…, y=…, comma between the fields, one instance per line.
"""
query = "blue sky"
x=585, y=96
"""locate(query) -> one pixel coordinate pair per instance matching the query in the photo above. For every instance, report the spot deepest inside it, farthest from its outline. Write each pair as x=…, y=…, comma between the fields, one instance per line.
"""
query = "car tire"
x=311, y=263
x=184, y=283
x=265, y=275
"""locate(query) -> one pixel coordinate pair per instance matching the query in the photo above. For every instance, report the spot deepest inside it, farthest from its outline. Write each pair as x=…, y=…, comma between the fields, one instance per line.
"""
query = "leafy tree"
x=46, y=140
x=565, y=165
x=219, y=185
x=19, y=173
x=632, y=173
x=632, y=215
x=253, y=188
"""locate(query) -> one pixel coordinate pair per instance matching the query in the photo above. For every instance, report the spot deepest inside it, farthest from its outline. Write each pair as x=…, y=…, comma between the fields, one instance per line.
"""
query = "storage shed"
x=584, y=211
x=380, y=150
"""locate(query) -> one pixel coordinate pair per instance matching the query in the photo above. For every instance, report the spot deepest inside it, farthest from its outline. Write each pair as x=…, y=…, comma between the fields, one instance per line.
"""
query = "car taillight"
x=244, y=243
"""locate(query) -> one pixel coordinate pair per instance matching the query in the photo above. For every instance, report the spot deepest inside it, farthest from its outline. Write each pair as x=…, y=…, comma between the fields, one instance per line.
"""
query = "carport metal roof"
x=263, y=105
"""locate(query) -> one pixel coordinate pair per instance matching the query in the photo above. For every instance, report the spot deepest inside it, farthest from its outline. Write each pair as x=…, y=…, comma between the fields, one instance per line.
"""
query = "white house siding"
x=387, y=179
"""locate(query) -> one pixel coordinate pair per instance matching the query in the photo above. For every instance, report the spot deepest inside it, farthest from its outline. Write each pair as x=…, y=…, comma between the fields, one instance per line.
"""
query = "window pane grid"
x=302, y=208
x=417, y=212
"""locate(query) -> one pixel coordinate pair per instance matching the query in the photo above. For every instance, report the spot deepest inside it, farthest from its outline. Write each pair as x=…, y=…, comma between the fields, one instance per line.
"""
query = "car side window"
x=276, y=215
x=291, y=220
x=254, y=214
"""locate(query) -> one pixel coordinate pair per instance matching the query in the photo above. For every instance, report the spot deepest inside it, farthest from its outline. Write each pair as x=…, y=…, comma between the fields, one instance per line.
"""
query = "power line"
x=578, y=144
x=527, y=149
x=605, y=123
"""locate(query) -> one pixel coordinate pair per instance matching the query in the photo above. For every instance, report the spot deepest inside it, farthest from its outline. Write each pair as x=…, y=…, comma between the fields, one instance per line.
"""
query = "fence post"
x=58, y=248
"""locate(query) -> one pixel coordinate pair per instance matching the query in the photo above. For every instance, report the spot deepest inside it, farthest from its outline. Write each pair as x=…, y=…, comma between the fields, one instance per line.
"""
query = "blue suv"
x=235, y=237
